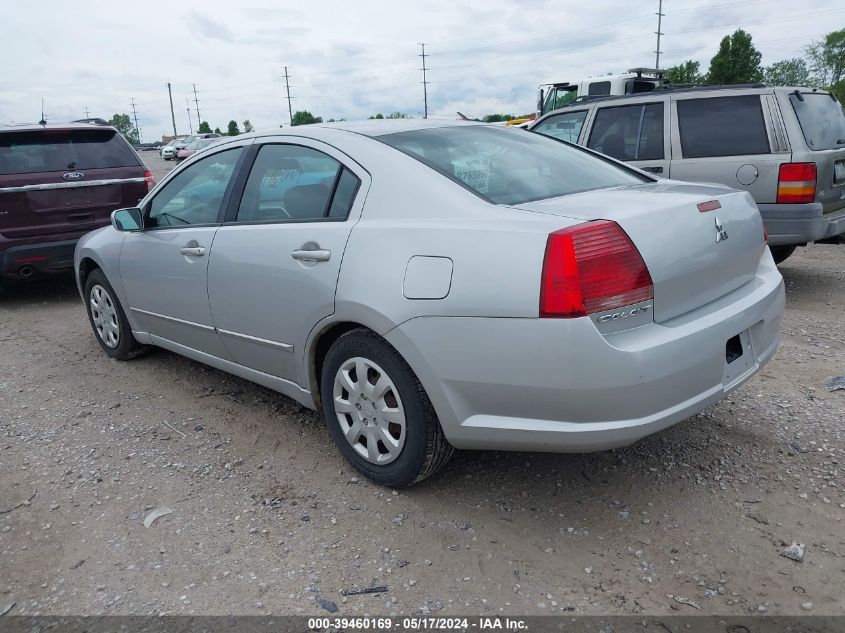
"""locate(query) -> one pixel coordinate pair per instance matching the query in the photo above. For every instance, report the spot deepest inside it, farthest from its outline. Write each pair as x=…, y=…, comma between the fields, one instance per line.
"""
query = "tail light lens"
x=796, y=183
x=148, y=178
x=589, y=268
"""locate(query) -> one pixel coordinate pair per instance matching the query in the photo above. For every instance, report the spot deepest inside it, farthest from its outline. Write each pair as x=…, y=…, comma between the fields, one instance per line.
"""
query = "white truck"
x=637, y=80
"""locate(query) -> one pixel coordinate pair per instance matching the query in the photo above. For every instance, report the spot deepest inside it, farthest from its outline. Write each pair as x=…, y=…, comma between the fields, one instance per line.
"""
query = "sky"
x=353, y=59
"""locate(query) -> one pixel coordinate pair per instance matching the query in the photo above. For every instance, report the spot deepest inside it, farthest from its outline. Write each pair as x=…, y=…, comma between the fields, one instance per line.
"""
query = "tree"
x=217, y=130
x=787, y=72
x=377, y=116
x=247, y=126
x=685, y=74
x=838, y=91
x=397, y=115
x=827, y=58
x=233, y=128
x=303, y=117
x=496, y=118
x=737, y=61
x=123, y=124
x=204, y=128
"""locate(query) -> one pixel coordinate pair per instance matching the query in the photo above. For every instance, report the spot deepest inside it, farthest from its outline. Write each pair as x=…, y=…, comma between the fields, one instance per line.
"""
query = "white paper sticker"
x=475, y=172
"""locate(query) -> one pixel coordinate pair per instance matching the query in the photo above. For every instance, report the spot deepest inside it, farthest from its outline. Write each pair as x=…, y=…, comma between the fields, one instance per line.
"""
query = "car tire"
x=417, y=446
x=108, y=320
x=781, y=253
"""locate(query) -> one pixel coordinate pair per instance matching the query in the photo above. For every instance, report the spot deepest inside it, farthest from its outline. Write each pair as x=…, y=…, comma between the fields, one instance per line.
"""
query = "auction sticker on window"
x=475, y=172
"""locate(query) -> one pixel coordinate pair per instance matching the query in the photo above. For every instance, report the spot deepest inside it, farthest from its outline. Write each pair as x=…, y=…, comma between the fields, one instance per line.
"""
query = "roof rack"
x=660, y=89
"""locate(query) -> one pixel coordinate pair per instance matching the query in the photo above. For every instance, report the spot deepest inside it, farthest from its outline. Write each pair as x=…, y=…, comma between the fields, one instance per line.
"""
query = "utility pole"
x=135, y=114
x=86, y=112
x=172, y=115
x=196, y=101
x=287, y=88
x=425, y=83
x=660, y=16
x=188, y=109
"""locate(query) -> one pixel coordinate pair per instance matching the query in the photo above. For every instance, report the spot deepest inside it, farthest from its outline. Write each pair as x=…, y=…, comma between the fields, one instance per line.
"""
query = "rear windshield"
x=822, y=120
x=507, y=166
x=62, y=150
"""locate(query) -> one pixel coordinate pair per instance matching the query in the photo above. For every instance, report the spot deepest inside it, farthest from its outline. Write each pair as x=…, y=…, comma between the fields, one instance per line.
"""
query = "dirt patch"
x=268, y=518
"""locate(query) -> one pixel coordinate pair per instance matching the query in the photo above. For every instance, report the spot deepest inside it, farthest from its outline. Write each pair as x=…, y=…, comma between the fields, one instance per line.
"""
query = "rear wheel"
x=780, y=253
x=378, y=413
x=108, y=320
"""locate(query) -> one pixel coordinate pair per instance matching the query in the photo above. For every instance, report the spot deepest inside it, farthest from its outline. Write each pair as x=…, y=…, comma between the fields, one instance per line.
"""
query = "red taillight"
x=148, y=178
x=796, y=183
x=589, y=268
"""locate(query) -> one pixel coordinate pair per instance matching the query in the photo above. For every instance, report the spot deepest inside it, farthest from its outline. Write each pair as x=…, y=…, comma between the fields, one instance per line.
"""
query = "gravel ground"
x=268, y=518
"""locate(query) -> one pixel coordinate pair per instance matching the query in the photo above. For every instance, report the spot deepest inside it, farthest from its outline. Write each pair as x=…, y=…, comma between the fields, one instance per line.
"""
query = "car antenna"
x=43, y=120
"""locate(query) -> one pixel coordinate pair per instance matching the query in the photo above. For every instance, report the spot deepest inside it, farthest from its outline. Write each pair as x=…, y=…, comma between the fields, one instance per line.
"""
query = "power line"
x=135, y=114
x=287, y=88
x=196, y=101
x=188, y=110
x=424, y=82
x=660, y=15
x=172, y=114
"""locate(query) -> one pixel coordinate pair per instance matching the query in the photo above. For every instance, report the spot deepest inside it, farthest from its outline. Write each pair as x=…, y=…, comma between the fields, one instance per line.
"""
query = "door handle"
x=318, y=255
x=192, y=251
x=654, y=170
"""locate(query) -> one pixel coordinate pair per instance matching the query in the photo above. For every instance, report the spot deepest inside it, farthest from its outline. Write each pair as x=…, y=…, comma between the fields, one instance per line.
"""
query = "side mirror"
x=127, y=219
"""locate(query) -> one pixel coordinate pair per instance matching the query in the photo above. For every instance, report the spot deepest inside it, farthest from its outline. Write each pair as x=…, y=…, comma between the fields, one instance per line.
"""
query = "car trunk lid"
x=66, y=181
x=694, y=255
x=822, y=123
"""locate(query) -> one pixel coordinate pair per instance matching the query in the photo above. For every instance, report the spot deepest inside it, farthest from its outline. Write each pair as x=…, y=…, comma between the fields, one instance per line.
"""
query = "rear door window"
x=633, y=132
x=293, y=182
x=566, y=127
x=63, y=150
x=722, y=126
x=599, y=89
x=822, y=120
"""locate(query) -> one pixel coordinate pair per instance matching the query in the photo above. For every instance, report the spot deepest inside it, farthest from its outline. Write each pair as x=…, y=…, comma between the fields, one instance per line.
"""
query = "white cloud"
x=351, y=60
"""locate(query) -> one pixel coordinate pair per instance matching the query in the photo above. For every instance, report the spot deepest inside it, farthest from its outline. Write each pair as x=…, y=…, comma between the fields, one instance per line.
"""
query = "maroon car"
x=58, y=182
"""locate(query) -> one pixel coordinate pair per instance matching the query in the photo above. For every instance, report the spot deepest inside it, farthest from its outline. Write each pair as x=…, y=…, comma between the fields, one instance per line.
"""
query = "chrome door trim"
x=72, y=185
x=200, y=326
x=255, y=339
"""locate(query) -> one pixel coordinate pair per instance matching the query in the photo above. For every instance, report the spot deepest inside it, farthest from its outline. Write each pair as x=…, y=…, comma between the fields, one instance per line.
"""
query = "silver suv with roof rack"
x=784, y=145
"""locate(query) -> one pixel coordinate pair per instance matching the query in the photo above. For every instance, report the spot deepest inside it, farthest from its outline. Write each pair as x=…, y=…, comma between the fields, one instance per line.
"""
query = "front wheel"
x=108, y=320
x=780, y=253
x=379, y=414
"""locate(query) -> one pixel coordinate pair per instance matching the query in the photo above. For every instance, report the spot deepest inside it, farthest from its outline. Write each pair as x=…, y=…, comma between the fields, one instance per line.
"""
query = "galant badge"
x=721, y=233
x=73, y=175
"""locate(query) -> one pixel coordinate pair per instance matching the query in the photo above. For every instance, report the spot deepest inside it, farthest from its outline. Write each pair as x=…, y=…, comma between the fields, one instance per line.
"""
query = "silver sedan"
x=432, y=286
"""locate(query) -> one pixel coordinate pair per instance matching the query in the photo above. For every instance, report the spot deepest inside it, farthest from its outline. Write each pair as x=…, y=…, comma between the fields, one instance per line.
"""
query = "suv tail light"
x=589, y=268
x=148, y=178
x=796, y=183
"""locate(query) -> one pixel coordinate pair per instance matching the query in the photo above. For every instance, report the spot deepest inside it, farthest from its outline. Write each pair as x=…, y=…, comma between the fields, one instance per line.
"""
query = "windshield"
x=63, y=150
x=822, y=120
x=507, y=166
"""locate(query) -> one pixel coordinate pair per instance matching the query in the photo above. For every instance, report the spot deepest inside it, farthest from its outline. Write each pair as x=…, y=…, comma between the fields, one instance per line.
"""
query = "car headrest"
x=306, y=201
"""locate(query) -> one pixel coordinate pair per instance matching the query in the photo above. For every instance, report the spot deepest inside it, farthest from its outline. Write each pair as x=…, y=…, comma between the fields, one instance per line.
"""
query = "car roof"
x=670, y=91
x=36, y=127
x=380, y=127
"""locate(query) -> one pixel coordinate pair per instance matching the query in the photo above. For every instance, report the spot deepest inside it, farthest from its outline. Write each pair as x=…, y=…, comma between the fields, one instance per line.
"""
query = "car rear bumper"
x=800, y=223
x=27, y=260
x=559, y=385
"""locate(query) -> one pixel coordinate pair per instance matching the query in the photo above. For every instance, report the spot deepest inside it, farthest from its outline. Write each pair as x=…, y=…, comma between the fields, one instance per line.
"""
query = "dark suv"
x=58, y=182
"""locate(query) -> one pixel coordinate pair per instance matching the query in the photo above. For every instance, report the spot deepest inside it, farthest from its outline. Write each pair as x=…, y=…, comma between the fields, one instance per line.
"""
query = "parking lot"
x=268, y=518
